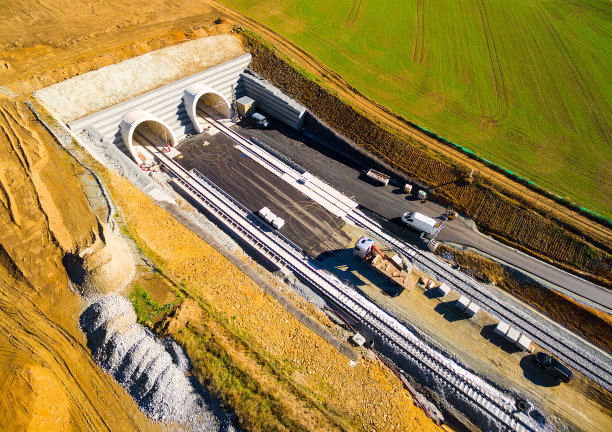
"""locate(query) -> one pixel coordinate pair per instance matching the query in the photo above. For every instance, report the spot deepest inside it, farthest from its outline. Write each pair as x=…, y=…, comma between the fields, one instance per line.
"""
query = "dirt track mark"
x=500, y=87
x=352, y=16
x=419, y=37
x=600, y=119
x=382, y=114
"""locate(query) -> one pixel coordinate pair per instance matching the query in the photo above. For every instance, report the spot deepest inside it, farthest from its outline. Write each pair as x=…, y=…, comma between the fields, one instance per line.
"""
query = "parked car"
x=554, y=366
x=260, y=121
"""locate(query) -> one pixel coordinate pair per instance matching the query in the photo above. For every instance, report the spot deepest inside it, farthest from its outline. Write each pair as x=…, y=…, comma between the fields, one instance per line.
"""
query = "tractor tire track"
x=352, y=16
x=500, y=87
x=417, y=51
x=600, y=120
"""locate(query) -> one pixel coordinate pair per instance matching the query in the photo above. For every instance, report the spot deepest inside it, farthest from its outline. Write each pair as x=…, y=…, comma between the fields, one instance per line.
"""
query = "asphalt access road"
x=307, y=223
x=390, y=202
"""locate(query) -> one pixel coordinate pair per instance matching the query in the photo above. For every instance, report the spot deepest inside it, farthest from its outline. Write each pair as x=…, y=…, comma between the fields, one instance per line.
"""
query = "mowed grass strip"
x=524, y=84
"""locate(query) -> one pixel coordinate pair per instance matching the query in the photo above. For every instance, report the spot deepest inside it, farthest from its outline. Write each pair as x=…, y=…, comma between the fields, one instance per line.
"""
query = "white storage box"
x=472, y=309
x=408, y=188
x=512, y=335
x=443, y=289
x=269, y=217
x=397, y=260
x=462, y=303
x=501, y=328
x=278, y=222
x=523, y=343
x=264, y=212
x=358, y=339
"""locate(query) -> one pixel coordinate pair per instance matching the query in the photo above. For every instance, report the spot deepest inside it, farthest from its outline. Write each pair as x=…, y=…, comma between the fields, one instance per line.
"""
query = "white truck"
x=421, y=222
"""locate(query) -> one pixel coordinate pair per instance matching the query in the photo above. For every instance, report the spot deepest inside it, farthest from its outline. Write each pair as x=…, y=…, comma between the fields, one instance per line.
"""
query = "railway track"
x=578, y=353
x=285, y=254
x=581, y=355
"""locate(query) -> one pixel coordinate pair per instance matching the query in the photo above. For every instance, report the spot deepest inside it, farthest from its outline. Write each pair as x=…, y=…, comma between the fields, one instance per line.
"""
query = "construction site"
x=232, y=246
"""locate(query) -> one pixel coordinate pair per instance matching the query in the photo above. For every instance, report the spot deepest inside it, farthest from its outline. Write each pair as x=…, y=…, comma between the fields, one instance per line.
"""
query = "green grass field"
x=524, y=84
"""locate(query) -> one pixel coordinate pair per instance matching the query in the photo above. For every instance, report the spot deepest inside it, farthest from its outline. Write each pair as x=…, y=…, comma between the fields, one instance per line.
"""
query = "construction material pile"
x=144, y=366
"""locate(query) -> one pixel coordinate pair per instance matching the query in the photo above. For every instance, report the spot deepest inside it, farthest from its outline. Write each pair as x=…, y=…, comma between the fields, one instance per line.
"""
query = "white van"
x=421, y=222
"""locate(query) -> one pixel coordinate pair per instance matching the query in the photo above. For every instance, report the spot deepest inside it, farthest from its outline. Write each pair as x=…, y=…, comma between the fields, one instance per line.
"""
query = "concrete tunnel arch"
x=199, y=96
x=140, y=128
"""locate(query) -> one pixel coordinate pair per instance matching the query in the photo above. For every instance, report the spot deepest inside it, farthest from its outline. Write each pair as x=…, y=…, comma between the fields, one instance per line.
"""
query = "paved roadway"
x=390, y=202
x=306, y=223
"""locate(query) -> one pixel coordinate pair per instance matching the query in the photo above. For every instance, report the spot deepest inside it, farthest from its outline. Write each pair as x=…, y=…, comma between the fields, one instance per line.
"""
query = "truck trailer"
x=377, y=176
x=421, y=222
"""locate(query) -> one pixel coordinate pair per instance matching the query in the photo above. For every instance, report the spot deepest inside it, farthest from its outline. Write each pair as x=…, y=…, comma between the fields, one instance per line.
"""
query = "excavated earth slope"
x=48, y=378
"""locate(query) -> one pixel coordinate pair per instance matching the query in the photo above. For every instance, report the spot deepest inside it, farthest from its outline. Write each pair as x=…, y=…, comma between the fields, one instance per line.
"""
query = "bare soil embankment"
x=268, y=367
x=504, y=209
x=48, y=379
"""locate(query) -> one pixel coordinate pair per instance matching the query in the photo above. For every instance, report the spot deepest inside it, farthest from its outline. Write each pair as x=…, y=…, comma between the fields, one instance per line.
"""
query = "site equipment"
x=378, y=176
x=421, y=222
x=259, y=120
x=246, y=108
x=392, y=267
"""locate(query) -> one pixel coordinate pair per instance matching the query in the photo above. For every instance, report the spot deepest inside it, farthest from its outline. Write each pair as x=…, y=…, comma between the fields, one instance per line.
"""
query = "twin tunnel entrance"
x=142, y=131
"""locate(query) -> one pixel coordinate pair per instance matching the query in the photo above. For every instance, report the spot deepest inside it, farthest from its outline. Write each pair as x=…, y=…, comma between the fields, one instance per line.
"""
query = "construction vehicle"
x=421, y=222
x=392, y=268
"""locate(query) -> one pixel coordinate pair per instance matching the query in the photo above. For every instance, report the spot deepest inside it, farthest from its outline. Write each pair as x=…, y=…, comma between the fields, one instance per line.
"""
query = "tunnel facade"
x=199, y=98
x=140, y=129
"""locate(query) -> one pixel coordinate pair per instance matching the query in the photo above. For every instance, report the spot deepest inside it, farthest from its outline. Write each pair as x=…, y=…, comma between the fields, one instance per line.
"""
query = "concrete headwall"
x=94, y=91
x=165, y=103
x=271, y=100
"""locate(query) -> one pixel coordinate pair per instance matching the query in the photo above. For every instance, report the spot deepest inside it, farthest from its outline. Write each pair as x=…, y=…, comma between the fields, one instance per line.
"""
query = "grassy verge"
x=147, y=309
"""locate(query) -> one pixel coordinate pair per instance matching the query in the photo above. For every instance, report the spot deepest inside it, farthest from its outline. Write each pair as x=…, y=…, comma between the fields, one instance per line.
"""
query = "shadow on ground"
x=536, y=374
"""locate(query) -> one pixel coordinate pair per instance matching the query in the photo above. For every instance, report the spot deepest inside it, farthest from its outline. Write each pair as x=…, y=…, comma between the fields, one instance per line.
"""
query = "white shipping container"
x=512, y=335
x=269, y=217
x=443, y=289
x=462, y=303
x=501, y=328
x=264, y=212
x=472, y=309
x=523, y=343
x=278, y=222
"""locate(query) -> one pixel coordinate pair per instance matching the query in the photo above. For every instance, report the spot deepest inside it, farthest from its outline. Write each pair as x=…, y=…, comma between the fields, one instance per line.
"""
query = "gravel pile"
x=152, y=371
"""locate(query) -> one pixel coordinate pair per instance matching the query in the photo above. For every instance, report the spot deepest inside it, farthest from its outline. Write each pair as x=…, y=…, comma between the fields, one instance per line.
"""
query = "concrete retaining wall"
x=271, y=100
x=166, y=103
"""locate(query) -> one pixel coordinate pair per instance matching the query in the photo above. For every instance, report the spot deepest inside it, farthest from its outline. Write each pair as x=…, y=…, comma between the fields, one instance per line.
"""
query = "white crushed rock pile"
x=153, y=372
